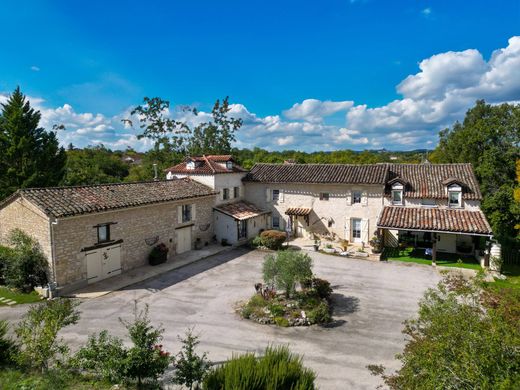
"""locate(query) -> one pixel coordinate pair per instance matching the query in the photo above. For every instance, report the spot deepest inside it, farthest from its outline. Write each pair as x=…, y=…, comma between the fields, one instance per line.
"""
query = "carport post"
x=434, y=249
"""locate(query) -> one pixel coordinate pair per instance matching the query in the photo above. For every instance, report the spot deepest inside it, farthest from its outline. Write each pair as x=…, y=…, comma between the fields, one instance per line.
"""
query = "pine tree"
x=30, y=156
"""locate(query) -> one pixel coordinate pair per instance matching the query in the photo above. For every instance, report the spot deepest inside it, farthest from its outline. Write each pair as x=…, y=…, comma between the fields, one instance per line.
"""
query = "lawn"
x=412, y=255
x=18, y=297
x=512, y=272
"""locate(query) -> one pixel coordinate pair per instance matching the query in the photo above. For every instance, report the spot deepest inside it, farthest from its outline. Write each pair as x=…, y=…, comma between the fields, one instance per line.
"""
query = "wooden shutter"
x=280, y=196
x=349, y=199
x=222, y=194
x=364, y=230
x=179, y=214
x=269, y=222
x=364, y=198
x=268, y=195
x=193, y=212
x=347, y=229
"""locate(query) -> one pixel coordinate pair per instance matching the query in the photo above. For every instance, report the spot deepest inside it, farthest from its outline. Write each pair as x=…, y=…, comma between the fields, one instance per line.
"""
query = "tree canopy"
x=488, y=138
x=30, y=156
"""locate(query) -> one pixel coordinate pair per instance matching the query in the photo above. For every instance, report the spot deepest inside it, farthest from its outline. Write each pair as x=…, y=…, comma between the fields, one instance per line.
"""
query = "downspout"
x=54, y=284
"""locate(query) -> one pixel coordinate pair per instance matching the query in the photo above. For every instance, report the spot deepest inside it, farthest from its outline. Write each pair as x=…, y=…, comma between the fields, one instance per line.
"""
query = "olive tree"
x=286, y=268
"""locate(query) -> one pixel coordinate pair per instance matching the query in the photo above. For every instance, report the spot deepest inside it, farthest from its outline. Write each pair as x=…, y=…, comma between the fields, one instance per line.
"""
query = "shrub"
x=103, y=356
x=145, y=359
x=256, y=303
x=190, y=368
x=256, y=242
x=27, y=266
x=39, y=329
x=277, y=369
x=377, y=243
x=7, y=346
x=158, y=255
x=464, y=337
x=322, y=288
x=6, y=256
x=276, y=310
x=273, y=239
x=286, y=268
x=320, y=314
x=281, y=321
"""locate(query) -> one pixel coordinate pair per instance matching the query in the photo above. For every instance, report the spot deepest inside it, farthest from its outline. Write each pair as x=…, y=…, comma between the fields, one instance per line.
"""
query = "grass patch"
x=11, y=378
x=512, y=272
x=18, y=297
x=412, y=255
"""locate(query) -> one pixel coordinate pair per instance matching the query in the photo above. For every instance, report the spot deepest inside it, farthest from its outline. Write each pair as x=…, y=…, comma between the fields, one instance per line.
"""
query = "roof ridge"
x=99, y=185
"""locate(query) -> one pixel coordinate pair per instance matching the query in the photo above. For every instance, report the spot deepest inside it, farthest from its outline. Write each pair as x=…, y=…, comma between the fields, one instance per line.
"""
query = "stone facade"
x=334, y=215
x=21, y=214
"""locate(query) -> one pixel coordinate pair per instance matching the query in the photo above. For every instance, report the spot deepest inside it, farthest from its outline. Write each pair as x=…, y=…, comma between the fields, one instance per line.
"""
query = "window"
x=229, y=165
x=186, y=212
x=356, y=197
x=324, y=196
x=397, y=196
x=236, y=192
x=190, y=165
x=356, y=228
x=454, y=198
x=242, y=229
x=276, y=222
x=103, y=233
x=276, y=195
x=225, y=193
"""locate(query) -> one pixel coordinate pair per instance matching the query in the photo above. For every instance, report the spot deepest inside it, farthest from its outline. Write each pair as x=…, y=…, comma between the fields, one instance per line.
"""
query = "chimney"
x=155, y=178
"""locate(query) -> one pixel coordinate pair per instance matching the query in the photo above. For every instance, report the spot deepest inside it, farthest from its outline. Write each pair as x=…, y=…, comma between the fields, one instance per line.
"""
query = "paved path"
x=372, y=301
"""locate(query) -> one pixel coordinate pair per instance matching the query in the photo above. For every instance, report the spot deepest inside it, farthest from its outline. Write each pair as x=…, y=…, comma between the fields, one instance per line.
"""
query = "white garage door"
x=103, y=263
x=183, y=240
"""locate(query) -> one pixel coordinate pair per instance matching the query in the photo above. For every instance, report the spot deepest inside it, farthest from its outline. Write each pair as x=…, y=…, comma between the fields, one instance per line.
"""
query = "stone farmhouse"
x=93, y=232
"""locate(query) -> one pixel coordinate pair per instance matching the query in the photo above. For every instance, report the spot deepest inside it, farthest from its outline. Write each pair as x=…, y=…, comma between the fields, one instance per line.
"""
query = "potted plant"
x=316, y=243
x=158, y=255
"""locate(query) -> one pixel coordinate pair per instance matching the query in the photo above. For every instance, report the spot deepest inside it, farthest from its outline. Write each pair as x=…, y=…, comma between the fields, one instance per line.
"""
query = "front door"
x=356, y=230
x=103, y=263
x=183, y=240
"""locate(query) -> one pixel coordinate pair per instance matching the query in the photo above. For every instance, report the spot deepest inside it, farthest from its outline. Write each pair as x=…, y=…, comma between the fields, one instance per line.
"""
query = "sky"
x=303, y=75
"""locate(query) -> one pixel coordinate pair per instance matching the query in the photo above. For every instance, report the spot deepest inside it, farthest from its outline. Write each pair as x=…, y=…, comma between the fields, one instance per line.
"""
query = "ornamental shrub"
x=320, y=314
x=8, y=348
x=287, y=268
x=277, y=369
x=6, y=256
x=25, y=265
x=273, y=239
x=190, y=368
x=322, y=288
x=158, y=255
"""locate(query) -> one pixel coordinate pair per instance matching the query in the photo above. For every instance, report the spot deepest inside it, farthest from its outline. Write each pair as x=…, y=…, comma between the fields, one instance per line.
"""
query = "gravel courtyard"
x=372, y=300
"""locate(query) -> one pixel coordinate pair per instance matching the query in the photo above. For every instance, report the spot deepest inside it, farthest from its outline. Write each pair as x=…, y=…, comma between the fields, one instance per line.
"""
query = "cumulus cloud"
x=313, y=110
x=446, y=85
x=34, y=68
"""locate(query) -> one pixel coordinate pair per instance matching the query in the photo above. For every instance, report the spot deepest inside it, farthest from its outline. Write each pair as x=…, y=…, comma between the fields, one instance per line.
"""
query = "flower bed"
x=305, y=307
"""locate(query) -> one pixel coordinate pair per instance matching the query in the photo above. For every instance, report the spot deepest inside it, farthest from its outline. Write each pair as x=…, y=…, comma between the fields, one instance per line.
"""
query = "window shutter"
x=193, y=212
x=222, y=194
x=269, y=222
x=347, y=229
x=280, y=197
x=364, y=230
x=364, y=198
x=268, y=194
x=179, y=214
x=349, y=199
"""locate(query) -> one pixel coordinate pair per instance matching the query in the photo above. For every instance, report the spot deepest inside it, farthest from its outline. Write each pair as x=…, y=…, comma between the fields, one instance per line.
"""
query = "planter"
x=316, y=248
x=158, y=255
x=360, y=254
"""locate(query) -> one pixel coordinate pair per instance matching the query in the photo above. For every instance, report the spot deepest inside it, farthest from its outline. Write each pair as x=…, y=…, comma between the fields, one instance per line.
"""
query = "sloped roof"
x=318, y=173
x=240, y=210
x=209, y=165
x=429, y=180
x=298, y=211
x=434, y=219
x=69, y=201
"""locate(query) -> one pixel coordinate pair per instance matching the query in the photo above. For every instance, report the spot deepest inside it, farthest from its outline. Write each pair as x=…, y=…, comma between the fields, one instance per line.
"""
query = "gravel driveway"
x=372, y=300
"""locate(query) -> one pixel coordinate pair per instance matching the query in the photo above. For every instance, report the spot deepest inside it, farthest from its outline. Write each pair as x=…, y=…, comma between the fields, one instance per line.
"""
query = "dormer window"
x=190, y=165
x=454, y=195
x=229, y=165
x=397, y=193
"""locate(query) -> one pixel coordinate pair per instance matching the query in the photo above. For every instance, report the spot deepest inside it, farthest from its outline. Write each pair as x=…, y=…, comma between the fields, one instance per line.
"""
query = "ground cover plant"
x=277, y=369
x=278, y=300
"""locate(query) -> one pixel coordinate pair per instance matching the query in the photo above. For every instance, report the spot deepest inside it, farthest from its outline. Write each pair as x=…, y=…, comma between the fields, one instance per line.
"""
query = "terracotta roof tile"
x=68, y=201
x=298, y=211
x=318, y=173
x=240, y=210
x=209, y=165
x=434, y=219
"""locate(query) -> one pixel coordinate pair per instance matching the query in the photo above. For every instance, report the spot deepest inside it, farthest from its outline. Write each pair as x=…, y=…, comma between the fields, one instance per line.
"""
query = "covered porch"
x=435, y=235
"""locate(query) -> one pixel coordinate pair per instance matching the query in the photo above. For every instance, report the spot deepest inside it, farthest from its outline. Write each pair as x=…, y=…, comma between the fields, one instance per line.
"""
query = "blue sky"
x=303, y=75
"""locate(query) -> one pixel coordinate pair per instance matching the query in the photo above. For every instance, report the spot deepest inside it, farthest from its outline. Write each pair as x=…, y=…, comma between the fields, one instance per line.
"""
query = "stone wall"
x=327, y=216
x=133, y=226
x=23, y=215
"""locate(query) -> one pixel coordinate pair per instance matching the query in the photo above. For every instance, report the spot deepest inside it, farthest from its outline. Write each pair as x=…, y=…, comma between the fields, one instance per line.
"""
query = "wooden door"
x=94, y=269
x=111, y=261
x=183, y=240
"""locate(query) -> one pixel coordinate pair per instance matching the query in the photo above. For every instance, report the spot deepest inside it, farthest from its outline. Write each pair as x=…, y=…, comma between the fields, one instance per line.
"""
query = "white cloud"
x=34, y=68
x=427, y=11
x=284, y=141
x=313, y=110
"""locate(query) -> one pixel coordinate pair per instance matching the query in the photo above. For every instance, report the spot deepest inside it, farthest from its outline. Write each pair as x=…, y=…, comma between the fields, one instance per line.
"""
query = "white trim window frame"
x=275, y=195
x=356, y=196
x=398, y=194
x=187, y=213
x=454, y=199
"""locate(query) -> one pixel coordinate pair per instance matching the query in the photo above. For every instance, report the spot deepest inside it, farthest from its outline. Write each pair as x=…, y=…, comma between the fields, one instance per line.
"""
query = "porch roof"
x=240, y=210
x=298, y=211
x=434, y=219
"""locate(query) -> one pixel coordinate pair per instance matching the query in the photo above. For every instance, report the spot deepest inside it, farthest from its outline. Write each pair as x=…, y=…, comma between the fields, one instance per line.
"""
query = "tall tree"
x=30, y=156
x=215, y=136
x=489, y=138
